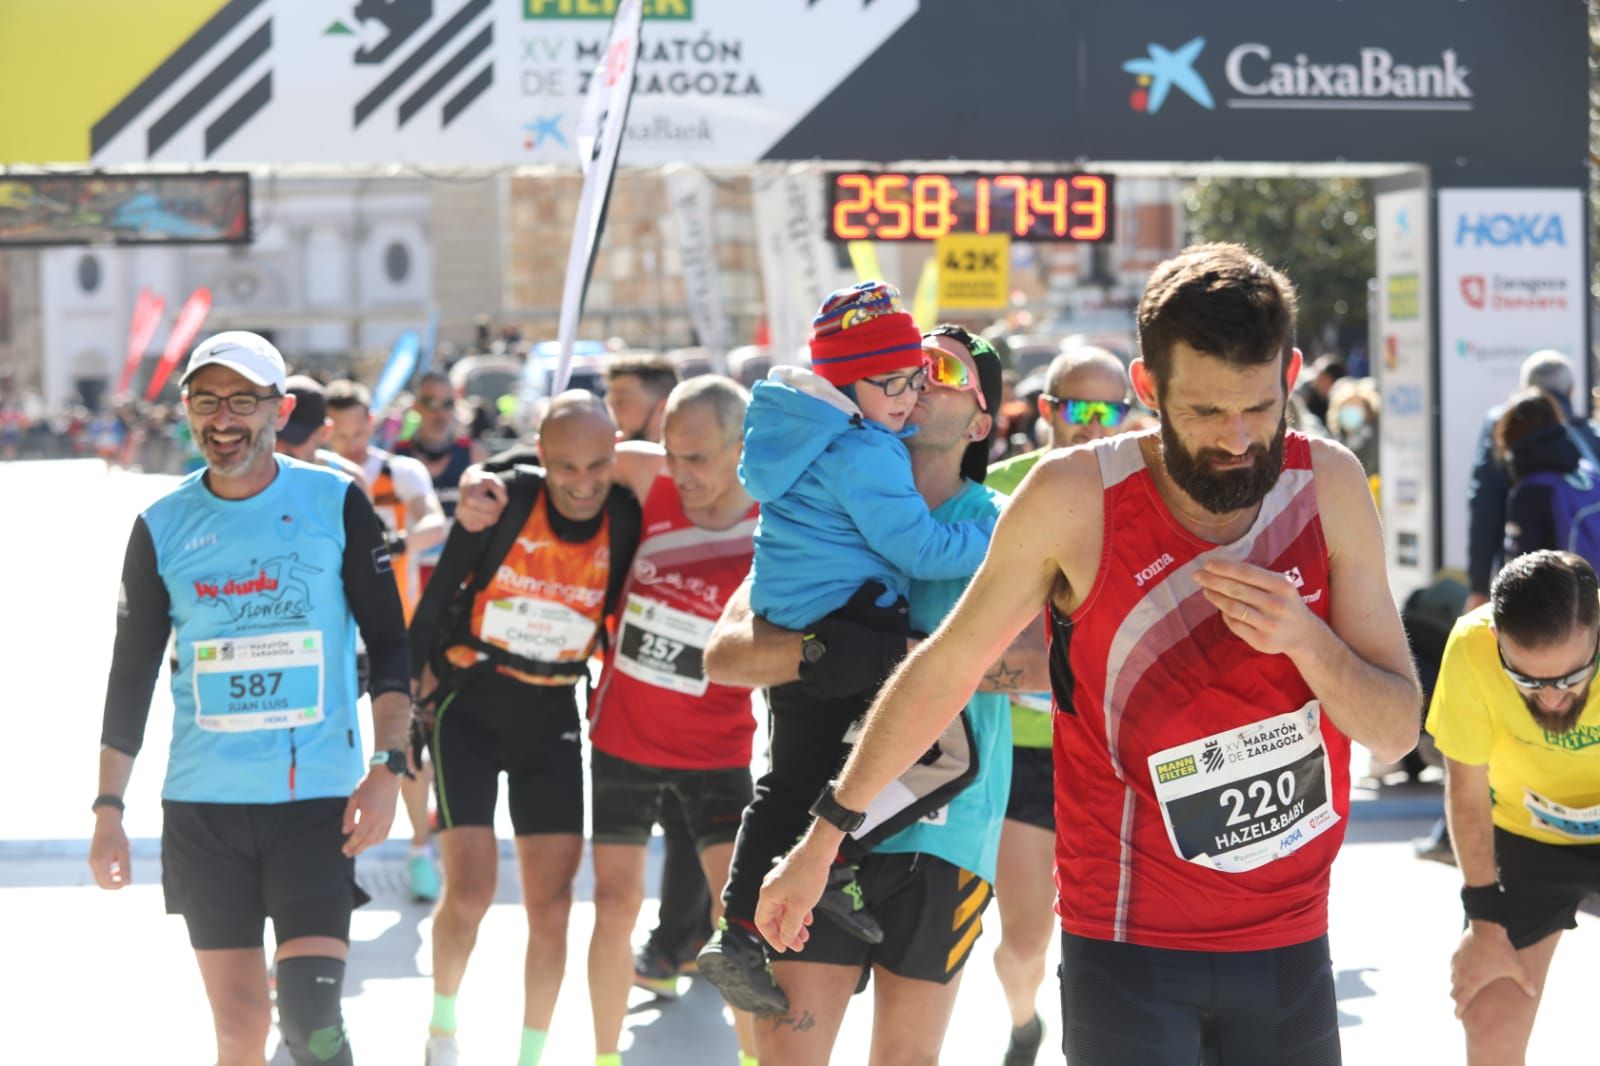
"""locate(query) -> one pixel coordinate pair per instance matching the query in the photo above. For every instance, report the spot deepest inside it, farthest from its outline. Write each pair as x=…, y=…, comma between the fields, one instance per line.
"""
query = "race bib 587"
x=272, y=681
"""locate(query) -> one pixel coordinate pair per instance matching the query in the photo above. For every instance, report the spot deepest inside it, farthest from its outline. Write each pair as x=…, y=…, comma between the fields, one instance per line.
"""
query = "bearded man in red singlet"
x=1221, y=630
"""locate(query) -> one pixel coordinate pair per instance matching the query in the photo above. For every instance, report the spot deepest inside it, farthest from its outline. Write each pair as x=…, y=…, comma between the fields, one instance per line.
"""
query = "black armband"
x=1484, y=903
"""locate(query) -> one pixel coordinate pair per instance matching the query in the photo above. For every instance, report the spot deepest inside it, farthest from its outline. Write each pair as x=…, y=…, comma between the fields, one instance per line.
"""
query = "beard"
x=1224, y=491
x=262, y=442
x=1557, y=721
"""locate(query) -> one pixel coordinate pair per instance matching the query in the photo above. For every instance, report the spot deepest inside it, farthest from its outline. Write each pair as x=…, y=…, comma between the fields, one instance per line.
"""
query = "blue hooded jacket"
x=838, y=504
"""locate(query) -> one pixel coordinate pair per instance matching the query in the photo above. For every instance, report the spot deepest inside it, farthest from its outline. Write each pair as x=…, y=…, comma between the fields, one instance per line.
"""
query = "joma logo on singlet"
x=1151, y=572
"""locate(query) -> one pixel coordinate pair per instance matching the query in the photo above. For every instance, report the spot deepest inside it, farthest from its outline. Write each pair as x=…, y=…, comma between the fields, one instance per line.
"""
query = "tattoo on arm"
x=1002, y=678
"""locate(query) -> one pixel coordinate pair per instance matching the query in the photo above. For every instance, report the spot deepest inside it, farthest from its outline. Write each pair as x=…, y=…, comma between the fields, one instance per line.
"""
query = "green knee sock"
x=444, y=1014
x=613, y=1058
x=747, y=1060
x=532, y=1047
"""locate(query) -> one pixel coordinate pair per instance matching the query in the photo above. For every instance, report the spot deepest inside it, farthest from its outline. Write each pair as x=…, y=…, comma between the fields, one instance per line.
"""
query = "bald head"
x=577, y=446
x=1083, y=373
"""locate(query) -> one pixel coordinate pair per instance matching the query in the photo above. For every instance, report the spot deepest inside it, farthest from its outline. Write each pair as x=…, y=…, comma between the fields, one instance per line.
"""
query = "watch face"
x=812, y=650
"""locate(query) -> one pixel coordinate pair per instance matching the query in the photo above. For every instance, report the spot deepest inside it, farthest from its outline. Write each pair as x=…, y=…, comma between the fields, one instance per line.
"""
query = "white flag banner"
x=600, y=129
x=798, y=265
x=693, y=199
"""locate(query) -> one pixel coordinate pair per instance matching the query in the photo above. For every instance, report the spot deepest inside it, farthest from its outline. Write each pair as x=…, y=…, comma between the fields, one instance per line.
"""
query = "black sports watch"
x=836, y=814
x=812, y=648
x=393, y=760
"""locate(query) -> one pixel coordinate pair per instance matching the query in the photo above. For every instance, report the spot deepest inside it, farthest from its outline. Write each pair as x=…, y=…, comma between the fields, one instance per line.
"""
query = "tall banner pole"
x=600, y=130
x=146, y=317
x=191, y=316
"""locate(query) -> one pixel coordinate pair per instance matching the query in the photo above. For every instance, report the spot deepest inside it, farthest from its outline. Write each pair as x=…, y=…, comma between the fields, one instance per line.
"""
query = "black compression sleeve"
x=143, y=623
x=370, y=590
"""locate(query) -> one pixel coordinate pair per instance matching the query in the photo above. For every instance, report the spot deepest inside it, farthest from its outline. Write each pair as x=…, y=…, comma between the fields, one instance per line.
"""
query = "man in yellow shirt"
x=1517, y=716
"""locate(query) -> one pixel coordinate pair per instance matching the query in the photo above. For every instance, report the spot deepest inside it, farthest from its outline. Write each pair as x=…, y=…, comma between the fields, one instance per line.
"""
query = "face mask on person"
x=1351, y=417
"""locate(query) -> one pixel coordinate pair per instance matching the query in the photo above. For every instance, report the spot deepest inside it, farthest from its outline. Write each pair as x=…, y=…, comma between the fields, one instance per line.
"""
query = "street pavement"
x=95, y=977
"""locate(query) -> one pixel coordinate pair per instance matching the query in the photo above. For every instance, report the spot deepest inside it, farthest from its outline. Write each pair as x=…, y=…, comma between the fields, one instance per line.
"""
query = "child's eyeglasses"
x=917, y=380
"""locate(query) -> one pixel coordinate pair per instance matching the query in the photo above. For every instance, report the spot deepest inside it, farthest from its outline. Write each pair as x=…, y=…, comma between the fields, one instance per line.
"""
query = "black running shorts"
x=627, y=800
x=931, y=912
x=496, y=725
x=1033, y=788
x=1123, y=1003
x=227, y=867
x=1542, y=884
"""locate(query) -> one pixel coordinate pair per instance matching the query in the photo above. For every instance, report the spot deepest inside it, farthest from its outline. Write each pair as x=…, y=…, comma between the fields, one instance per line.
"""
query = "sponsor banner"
x=1364, y=79
x=495, y=82
x=693, y=200
x=798, y=265
x=488, y=82
x=1402, y=363
x=974, y=271
x=1511, y=282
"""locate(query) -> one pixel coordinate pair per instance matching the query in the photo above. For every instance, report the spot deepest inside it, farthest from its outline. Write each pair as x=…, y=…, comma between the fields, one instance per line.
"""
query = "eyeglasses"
x=917, y=380
x=438, y=404
x=1109, y=413
x=240, y=403
x=1560, y=684
x=949, y=372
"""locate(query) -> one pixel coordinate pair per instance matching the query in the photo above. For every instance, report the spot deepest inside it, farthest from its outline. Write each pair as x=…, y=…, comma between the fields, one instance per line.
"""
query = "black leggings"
x=1122, y=1003
x=806, y=750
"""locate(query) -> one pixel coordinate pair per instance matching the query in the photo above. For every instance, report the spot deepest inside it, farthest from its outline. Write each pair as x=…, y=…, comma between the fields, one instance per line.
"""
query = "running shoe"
x=441, y=1051
x=1435, y=847
x=691, y=966
x=1025, y=1043
x=841, y=901
x=654, y=972
x=422, y=878
x=736, y=962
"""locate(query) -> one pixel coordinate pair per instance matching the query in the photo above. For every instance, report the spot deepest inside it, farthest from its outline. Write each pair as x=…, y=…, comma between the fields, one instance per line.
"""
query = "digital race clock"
x=873, y=205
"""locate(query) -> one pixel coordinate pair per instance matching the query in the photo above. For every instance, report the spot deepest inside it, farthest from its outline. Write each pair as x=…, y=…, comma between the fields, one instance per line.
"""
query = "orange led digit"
x=932, y=194
x=982, y=227
x=843, y=228
x=1055, y=206
x=1021, y=217
x=894, y=211
x=1094, y=207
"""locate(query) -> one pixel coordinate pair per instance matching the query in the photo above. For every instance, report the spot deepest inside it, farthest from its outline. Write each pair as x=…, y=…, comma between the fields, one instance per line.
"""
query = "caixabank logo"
x=1260, y=77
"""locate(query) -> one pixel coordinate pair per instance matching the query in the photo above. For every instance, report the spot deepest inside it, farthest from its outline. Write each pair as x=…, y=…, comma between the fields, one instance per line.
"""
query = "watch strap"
x=830, y=810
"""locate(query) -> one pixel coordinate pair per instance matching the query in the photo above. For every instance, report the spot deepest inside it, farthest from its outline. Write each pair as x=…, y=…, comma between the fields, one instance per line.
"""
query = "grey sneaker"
x=441, y=1052
x=1025, y=1041
x=736, y=962
x=841, y=901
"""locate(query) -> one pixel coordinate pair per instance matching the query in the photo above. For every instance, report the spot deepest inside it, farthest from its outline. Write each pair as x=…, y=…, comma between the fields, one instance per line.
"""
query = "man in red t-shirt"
x=1221, y=629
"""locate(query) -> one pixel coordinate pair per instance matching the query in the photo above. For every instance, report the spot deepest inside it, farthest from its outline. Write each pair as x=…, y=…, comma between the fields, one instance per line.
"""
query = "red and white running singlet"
x=655, y=705
x=1201, y=795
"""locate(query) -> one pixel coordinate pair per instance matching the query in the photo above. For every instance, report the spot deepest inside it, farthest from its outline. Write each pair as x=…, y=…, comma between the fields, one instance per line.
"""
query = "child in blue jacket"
x=824, y=456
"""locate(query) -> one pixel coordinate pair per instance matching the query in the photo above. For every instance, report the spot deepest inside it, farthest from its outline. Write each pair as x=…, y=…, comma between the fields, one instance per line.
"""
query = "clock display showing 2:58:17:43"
x=900, y=206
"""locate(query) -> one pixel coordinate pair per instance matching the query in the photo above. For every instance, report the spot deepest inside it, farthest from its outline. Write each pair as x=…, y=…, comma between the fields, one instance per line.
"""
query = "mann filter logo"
x=603, y=9
x=1177, y=768
x=1374, y=81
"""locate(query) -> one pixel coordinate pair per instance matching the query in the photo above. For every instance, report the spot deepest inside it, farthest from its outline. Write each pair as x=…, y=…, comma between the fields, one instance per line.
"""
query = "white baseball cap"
x=250, y=354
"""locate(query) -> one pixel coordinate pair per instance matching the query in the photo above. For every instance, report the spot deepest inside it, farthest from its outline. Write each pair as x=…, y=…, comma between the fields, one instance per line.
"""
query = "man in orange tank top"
x=1222, y=629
